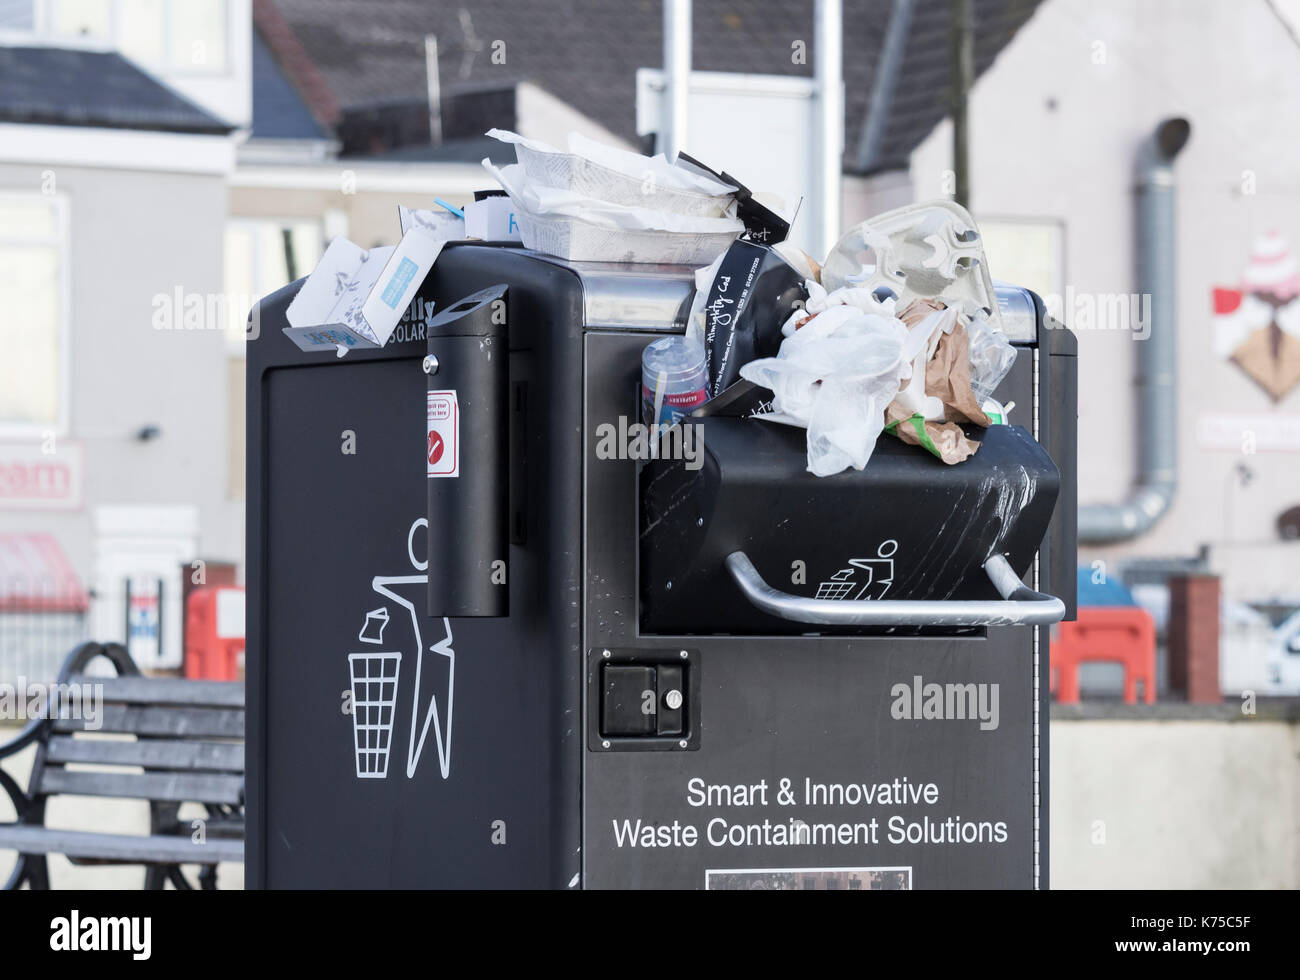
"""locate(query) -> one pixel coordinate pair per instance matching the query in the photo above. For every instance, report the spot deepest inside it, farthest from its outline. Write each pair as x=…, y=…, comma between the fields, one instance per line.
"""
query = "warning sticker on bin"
x=443, y=449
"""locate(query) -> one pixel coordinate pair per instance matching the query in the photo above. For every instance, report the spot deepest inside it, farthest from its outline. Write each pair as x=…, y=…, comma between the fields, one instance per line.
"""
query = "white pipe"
x=677, y=76
x=828, y=50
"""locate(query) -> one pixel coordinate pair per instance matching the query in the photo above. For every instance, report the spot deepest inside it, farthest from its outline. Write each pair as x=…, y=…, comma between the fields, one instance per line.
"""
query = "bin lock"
x=1019, y=606
x=468, y=460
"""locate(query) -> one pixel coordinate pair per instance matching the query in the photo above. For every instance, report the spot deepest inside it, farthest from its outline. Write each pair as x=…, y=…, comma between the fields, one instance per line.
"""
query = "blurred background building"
x=163, y=163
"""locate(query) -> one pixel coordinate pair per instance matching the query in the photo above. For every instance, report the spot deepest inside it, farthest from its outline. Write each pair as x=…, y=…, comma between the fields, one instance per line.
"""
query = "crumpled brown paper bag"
x=945, y=439
x=947, y=377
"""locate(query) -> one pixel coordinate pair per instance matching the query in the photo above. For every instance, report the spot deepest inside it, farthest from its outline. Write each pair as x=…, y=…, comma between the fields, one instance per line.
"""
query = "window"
x=81, y=18
x=143, y=37
x=169, y=36
x=1026, y=252
x=261, y=256
x=33, y=273
x=18, y=15
x=196, y=35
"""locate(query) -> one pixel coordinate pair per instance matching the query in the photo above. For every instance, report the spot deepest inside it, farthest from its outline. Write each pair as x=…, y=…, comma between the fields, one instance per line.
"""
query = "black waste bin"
x=490, y=643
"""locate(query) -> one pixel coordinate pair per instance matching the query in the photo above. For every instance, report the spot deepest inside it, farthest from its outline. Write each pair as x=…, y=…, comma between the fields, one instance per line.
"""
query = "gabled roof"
x=77, y=87
x=586, y=52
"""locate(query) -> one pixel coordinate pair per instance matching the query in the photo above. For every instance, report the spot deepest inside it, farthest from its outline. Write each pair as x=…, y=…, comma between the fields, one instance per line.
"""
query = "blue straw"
x=454, y=210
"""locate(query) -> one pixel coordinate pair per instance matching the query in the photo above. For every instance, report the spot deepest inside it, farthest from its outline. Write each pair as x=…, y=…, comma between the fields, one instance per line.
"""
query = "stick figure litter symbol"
x=846, y=584
x=376, y=676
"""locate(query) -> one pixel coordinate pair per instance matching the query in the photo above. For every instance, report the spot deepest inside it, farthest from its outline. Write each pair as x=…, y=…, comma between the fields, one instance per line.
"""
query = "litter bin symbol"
x=373, y=631
x=879, y=576
x=375, y=675
x=374, y=702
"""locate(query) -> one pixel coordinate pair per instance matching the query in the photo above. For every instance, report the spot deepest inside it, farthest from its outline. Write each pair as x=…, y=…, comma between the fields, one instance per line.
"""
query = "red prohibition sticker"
x=443, y=446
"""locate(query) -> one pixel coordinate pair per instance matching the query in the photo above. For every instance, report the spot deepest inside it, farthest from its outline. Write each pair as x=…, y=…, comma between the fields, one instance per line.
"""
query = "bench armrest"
x=35, y=731
x=22, y=802
x=81, y=657
x=31, y=733
x=75, y=663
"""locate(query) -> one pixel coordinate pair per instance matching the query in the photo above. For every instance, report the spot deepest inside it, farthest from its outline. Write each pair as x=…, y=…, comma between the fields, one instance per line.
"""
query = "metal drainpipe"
x=1157, y=390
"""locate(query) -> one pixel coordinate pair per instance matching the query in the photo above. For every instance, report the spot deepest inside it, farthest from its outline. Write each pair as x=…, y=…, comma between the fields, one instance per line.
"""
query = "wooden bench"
x=185, y=745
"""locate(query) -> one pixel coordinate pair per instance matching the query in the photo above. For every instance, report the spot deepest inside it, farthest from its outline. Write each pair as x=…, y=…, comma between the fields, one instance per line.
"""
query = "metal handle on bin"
x=1020, y=605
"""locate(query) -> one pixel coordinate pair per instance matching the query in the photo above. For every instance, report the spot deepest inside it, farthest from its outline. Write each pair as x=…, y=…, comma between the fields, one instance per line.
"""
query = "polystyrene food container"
x=572, y=238
x=568, y=171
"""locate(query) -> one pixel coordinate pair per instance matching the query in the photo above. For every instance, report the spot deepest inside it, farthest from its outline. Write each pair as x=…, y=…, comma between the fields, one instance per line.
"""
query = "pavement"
x=103, y=815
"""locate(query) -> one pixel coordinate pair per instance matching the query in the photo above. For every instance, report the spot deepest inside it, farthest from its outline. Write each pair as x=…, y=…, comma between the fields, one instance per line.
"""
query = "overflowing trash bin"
x=523, y=613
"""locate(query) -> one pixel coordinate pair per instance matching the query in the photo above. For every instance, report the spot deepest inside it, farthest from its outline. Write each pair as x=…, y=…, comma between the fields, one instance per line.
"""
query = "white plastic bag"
x=819, y=300
x=834, y=377
x=922, y=339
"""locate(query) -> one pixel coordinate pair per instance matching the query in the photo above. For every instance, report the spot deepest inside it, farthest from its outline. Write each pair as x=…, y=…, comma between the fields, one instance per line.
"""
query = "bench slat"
x=153, y=720
x=157, y=849
x=149, y=753
x=166, y=690
x=169, y=787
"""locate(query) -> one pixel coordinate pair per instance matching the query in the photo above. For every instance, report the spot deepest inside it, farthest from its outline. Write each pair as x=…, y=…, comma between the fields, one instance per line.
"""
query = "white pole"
x=828, y=50
x=434, y=88
x=677, y=75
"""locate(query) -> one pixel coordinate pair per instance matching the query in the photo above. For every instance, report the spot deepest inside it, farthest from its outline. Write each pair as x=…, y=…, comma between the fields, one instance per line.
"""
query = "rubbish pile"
x=897, y=332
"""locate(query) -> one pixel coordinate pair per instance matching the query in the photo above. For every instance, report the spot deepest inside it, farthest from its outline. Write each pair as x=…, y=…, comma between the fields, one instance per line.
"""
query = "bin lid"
x=36, y=576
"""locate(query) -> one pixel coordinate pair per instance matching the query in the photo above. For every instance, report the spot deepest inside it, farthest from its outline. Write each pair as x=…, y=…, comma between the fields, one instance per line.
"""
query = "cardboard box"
x=355, y=298
x=492, y=219
x=443, y=224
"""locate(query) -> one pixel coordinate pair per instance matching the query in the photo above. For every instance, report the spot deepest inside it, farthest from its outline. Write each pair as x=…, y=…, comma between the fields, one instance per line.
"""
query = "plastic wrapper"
x=991, y=357
x=920, y=251
x=606, y=173
x=834, y=377
x=441, y=224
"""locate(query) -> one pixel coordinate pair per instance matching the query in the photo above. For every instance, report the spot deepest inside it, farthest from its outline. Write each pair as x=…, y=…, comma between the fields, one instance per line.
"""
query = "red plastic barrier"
x=214, y=633
x=1108, y=634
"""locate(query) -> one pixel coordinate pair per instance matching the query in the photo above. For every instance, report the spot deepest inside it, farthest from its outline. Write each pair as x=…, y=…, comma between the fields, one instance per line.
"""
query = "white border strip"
x=125, y=149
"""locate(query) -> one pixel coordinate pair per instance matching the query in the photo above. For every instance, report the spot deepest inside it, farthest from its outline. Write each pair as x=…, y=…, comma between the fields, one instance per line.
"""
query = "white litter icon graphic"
x=375, y=676
x=374, y=704
x=373, y=631
x=845, y=584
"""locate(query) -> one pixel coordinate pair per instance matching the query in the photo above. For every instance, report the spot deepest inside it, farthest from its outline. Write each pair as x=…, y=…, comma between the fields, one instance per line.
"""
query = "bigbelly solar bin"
x=492, y=644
